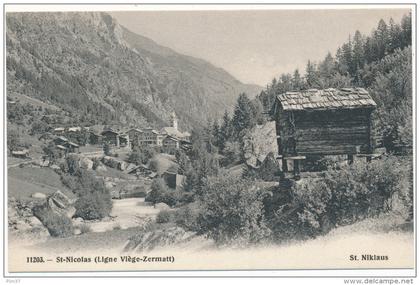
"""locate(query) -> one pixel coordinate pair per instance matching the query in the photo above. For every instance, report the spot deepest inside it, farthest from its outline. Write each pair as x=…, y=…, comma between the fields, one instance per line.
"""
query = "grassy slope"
x=23, y=182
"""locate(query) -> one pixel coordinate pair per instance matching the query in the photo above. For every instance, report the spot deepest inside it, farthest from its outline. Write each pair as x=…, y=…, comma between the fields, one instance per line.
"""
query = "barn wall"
x=324, y=132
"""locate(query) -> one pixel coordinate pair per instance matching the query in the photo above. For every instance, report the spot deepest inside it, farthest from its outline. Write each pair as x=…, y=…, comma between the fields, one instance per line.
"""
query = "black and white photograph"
x=209, y=138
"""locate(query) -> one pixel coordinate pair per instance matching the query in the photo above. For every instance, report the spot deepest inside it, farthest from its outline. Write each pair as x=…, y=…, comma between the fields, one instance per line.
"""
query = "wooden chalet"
x=65, y=145
x=95, y=137
x=111, y=137
x=134, y=135
x=170, y=144
x=323, y=122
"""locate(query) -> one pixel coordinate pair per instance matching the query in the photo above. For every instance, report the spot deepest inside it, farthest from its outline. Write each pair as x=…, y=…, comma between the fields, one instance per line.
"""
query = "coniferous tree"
x=395, y=35
x=358, y=53
x=216, y=135
x=326, y=71
x=257, y=109
x=406, y=30
x=226, y=130
x=297, y=83
x=381, y=39
x=311, y=75
x=243, y=116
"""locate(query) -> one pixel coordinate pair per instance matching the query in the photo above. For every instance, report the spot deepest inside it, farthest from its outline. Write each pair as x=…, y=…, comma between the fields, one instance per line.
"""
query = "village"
x=154, y=162
x=107, y=154
x=168, y=140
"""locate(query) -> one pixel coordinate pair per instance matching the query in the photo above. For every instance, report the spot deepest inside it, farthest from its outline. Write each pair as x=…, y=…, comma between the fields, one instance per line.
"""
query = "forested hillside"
x=99, y=72
x=380, y=62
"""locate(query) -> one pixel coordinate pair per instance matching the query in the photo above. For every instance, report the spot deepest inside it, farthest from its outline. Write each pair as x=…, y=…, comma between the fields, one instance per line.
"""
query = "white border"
x=148, y=7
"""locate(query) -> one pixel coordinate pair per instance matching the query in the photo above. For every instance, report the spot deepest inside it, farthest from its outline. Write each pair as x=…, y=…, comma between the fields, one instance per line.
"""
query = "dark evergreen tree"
x=243, y=116
x=312, y=80
x=297, y=82
x=226, y=130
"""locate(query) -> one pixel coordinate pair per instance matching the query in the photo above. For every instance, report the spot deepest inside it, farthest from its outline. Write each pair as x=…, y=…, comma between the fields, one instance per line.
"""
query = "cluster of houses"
x=169, y=139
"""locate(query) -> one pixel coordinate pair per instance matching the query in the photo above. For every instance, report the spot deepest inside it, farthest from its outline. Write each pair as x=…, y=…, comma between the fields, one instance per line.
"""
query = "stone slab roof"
x=314, y=99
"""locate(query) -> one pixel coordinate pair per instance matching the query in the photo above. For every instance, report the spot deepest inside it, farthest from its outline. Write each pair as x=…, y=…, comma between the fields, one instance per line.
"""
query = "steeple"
x=174, y=121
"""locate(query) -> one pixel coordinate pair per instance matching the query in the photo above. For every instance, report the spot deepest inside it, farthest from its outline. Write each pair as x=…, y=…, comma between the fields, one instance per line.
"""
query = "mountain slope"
x=87, y=64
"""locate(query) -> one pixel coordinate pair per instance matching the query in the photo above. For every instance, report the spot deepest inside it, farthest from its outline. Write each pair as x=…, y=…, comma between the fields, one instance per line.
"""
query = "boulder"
x=122, y=165
x=109, y=184
x=85, y=163
x=22, y=225
x=162, y=206
x=61, y=204
x=55, y=167
x=20, y=216
x=101, y=167
x=259, y=142
x=34, y=222
x=110, y=161
x=39, y=195
x=269, y=170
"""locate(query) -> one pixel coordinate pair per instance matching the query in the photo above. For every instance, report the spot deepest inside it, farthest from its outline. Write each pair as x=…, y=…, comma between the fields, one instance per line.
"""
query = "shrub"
x=161, y=193
x=187, y=217
x=158, y=191
x=232, y=211
x=84, y=229
x=94, y=199
x=96, y=162
x=95, y=205
x=345, y=196
x=57, y=225
x=164, y=216
x=141, y=155
x=106, y=148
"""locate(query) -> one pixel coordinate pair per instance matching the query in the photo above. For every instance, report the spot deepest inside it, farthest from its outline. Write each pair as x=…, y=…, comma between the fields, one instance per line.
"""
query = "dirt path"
x=126, y=213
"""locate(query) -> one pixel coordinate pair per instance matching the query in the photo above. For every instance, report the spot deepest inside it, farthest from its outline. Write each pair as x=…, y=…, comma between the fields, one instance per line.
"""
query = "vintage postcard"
x=155, y=138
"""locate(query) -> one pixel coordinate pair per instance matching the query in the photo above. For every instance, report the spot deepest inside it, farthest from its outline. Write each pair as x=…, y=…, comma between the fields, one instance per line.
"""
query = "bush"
x=161, y=193
x=158, y=191
x=57, y=225
x=106, y=148
x=164, y=216
x=95, y=205
x=96, y=162
x=94, y=199
x=141, y=155
x=232, y=211
x=187, y=217
x=84, y=229
x=345, y=196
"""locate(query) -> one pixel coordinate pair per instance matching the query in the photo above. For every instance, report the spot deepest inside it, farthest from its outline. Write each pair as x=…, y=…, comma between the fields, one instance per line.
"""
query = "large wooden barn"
x=323, y=122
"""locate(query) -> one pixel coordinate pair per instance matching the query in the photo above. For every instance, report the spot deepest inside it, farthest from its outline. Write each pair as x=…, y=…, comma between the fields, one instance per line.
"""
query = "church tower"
x=174, y=121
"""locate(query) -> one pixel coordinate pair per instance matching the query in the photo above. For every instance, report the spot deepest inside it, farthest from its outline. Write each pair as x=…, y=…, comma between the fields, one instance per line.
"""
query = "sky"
x=255, y=46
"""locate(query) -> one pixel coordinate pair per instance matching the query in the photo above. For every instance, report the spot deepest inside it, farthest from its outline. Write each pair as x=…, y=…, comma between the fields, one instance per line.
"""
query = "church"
x=169, y=138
